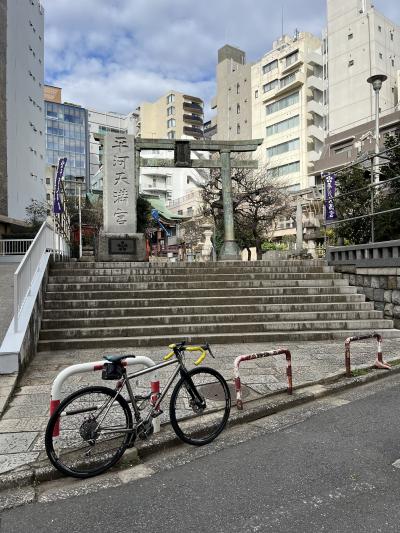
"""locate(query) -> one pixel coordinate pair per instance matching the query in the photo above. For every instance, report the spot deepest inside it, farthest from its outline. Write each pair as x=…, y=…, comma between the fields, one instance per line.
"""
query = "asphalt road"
x=321, y=467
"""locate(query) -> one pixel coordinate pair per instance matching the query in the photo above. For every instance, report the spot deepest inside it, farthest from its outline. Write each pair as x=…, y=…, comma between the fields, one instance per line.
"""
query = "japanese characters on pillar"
x=119, y=197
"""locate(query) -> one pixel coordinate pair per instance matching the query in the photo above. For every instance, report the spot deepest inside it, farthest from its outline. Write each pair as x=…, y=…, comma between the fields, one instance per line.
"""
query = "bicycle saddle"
x=117, y=358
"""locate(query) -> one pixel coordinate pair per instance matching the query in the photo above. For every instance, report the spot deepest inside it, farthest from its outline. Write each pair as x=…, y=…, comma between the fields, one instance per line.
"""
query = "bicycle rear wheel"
x=88, y=432
x=200, y=405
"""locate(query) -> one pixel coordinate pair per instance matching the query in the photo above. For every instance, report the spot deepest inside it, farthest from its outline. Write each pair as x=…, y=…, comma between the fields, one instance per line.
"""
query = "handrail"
x=46, y=240
x=14, y=246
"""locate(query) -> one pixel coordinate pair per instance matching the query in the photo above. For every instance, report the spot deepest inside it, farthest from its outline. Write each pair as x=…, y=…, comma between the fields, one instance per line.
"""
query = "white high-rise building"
x=279, y=99
x=22, y=147
x=360, y=42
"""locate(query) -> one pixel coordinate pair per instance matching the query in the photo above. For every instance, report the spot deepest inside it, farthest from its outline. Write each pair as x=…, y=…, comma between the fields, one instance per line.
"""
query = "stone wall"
x=3, y=122
x=380, y=285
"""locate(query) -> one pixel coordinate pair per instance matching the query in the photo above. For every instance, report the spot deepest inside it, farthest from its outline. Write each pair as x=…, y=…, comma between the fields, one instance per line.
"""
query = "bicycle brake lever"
x=209, y=350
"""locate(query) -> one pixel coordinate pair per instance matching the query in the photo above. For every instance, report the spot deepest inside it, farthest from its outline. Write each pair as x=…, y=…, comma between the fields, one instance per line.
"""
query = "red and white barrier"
x=379, y=362
x=249, y=357
x=81, y=368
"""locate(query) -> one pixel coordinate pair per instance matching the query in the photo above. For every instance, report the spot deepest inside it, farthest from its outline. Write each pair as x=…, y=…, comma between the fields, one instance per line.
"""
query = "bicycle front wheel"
x=200, y=405
x=88, y=432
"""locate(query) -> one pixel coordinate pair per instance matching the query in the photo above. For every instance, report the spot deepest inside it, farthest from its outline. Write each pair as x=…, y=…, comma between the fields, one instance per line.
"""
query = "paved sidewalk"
x=23, y=423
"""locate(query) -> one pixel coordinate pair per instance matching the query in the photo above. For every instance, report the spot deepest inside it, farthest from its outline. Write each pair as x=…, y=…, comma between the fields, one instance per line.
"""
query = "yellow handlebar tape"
x=189, y=349
x=197, y=349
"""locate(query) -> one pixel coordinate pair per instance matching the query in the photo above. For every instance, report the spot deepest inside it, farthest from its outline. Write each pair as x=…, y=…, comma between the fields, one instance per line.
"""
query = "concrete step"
x=209, y=327
x=188, y=285
x=140, y=303
x=127, y=271
x=66, y=314
x=160, y=320
x=176, y=278
x=275, y=337
x=184, y=265
x=197, y=293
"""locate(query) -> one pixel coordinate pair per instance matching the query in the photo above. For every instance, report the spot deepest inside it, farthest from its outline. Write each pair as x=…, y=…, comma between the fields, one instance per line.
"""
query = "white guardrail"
x=46, y=241
x=14, y=246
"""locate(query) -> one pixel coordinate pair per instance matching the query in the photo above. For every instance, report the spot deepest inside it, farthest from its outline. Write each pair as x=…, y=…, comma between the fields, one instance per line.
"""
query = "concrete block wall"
x=380, y=285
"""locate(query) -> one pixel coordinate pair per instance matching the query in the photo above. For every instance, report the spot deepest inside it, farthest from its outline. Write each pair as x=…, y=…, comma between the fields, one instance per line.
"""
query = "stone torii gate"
x=182, y=159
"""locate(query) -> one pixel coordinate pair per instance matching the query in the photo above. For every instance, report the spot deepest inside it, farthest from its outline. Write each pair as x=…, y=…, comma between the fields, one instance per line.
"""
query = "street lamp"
x=376, y=82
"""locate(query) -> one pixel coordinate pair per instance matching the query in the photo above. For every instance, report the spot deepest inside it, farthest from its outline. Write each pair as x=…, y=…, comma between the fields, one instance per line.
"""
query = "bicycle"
x=92, y=427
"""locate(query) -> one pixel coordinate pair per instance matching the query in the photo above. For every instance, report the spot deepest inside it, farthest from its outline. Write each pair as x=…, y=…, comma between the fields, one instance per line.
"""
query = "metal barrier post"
x=249, y=357
x=379, y=362
x=81, y=368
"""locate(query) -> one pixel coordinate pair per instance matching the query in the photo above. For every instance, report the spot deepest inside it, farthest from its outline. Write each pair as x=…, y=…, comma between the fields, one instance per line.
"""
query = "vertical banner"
x=330, y=190
x=58, y=207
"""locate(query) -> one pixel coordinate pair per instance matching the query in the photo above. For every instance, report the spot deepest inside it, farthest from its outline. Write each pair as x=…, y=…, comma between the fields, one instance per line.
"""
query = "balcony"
x=315, y=107
x=193, y=132
x=193, y=119
x=193, y=107
x=295, y=64
x=193, y=98
x=317, y=133
x=298, y=81
x=314, y=58
x=315, y=83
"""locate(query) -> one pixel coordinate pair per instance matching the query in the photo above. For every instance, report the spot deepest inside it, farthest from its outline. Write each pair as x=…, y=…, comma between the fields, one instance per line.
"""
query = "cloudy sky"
x=111, y=55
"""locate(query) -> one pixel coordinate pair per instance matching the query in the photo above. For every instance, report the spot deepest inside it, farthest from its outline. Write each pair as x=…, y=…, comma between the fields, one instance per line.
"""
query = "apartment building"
x=22, y=137
x=359, y=42
x=173, y=116
x=280, y=99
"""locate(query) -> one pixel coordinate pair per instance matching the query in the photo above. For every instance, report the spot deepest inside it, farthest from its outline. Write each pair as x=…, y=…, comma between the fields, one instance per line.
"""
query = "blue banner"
x=58, y=207
x=330, y=190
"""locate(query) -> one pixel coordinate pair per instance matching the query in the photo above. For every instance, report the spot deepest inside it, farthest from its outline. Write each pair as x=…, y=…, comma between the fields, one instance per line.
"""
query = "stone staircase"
x=96, y=305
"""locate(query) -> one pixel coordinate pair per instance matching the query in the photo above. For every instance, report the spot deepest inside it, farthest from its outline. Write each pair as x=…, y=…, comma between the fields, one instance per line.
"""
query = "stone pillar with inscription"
x=119, y=240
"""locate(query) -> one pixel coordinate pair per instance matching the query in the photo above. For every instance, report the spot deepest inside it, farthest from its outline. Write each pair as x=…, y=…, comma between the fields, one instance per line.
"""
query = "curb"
x=253, y=410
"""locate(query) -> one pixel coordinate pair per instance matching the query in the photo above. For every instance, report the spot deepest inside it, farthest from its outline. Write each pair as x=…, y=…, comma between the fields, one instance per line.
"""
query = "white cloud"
x=114, y=54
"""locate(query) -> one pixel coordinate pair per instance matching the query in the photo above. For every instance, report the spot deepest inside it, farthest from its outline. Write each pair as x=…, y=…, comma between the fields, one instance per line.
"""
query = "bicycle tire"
x=70, y=451
x=192, y=424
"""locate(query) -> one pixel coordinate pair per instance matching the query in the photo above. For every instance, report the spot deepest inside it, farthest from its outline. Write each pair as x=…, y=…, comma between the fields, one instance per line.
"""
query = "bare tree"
x=259, y=200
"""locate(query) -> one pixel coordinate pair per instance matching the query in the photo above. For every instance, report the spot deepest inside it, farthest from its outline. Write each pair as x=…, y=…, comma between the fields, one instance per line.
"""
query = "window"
x=237, y=109
x=238, y=88
x=344, y=149
x=180, y=212
x=282, y=148
x=154, y=182
x=392, y=62
x=171, y=110
x=287, y=101
x=288, y=79
x=350, y=36
x=292, y=58
x=238, y=128
x=351, y=63
x=284, y=125
x=391, y=36
x=282, y=170
x=187, y=180
x=256, y=93
x=171, y=123
x=270, y=86
x=171, y=134
x=270, y=66
x=379, y=28
x=380, y=55
x=170, y=98
x=189, y=211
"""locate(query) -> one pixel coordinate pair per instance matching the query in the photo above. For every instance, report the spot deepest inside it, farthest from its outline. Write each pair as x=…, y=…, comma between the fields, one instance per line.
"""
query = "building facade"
x=173, y=116
x=359, y=42
x=99, y=124
x=279, y=99
x=22, y=132
x=67, y=136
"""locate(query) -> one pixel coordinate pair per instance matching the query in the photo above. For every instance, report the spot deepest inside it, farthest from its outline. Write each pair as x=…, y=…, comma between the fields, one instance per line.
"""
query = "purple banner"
x=330, y=190
x=58, y=207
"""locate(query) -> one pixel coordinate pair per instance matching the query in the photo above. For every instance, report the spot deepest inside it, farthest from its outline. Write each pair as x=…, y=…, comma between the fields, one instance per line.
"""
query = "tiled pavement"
x=24, y=421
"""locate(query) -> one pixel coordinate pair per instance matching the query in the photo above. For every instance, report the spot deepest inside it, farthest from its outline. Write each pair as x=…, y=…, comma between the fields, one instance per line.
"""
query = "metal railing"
x=45, y=241
x=14, y=246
